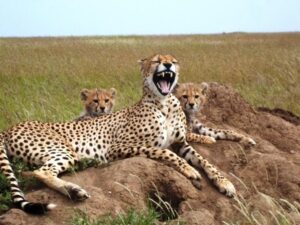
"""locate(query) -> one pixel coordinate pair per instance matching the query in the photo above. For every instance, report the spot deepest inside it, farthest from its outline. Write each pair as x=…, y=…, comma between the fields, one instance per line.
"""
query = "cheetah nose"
x=191, y=105
x=102, y=108
x=167, y=65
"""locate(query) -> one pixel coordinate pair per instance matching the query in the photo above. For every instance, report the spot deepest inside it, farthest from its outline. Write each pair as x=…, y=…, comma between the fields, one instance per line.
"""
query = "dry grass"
x=40, y=78
x=265, y=211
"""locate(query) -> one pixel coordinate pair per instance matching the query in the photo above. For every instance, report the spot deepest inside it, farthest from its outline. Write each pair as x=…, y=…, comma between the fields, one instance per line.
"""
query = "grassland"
x=40, y=78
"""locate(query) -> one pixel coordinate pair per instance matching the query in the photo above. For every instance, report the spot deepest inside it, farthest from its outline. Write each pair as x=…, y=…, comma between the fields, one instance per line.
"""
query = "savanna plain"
x=41, y=78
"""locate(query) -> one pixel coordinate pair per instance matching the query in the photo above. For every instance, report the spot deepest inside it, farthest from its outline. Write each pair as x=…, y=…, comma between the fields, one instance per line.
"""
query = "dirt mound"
x=269, y=170
x=286, y=115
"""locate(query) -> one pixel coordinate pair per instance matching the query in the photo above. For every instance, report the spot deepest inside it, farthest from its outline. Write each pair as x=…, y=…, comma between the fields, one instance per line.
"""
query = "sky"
x=24, y=18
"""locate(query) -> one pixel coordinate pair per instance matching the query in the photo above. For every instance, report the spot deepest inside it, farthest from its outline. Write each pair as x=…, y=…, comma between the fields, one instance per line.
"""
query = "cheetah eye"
x=196, y=96
x=106, y=100
x=174, y=62
x=155, y=61
x=185, y=96
x=96, y=100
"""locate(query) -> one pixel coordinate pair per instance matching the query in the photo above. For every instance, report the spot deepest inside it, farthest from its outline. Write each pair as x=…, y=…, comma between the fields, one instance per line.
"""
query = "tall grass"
x=41, y=78
x=277, y=212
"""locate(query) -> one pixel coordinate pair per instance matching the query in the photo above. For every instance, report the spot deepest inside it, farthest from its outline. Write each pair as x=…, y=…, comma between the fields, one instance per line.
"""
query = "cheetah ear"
x=113, y=91
x=204, y=88
x=141, y=61
x=84, y=93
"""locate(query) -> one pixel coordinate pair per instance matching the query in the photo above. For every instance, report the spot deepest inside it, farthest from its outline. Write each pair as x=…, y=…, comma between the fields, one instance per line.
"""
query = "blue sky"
x=126, y=17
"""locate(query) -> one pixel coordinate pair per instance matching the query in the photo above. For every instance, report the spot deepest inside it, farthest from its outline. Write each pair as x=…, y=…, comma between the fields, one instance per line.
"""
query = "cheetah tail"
x=17, y=195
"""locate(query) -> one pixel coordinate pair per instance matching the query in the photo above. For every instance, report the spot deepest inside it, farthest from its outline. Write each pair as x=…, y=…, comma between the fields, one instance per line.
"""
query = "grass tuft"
x=157, y=212
x=132, y=217
x=275, y=211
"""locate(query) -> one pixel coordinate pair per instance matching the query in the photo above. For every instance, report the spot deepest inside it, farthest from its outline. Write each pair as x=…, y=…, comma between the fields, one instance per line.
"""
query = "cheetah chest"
x=171, y=130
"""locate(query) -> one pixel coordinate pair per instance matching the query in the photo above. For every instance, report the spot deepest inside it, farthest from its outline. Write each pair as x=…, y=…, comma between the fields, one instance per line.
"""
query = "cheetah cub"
x=192, y=97
x=97, y=102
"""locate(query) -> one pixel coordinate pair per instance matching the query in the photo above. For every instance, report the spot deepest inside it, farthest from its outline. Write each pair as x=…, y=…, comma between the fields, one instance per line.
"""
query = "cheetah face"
x=192, y=96
x=98, y=101
x=161, y=73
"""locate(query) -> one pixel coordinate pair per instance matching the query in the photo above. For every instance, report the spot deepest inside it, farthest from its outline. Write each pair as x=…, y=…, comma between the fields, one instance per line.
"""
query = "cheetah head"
x=98, y=101
x=160, y=73
x=192, y=96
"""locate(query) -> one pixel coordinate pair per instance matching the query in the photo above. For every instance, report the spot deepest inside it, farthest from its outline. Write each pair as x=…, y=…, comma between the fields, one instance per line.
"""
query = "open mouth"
x=163, y=81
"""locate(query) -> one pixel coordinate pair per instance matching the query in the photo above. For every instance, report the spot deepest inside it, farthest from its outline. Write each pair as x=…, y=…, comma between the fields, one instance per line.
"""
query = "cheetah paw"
x=194, y=176
x=191, y=173
x=248, y=142
x=77, y=193
x=226, y=187
x=209, y=140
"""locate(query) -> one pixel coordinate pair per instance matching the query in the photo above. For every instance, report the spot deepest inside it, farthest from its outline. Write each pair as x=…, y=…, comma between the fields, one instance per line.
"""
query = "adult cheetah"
x=146, y=129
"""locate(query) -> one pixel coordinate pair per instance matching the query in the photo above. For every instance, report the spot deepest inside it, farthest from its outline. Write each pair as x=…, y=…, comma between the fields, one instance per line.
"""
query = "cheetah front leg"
x=52, y=168
x=220, y=134
x=165, y=155
x=189, y=154
x=199, y=138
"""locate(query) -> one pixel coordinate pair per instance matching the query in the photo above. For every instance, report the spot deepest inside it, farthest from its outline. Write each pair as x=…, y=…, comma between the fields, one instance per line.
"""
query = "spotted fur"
x=192, y=98
x=146, y=129
x=97, y=102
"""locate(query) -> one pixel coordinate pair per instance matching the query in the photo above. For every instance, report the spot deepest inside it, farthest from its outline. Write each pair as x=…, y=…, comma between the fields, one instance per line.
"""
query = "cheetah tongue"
x=164, y=86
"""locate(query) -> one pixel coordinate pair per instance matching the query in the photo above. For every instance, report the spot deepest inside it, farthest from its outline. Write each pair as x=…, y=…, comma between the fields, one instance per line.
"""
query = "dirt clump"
x=262, y=175
x=286, y=115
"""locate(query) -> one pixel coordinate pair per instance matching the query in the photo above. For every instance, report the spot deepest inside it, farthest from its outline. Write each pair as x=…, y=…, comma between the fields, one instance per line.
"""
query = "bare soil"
x=286, y=115
x=272, y=167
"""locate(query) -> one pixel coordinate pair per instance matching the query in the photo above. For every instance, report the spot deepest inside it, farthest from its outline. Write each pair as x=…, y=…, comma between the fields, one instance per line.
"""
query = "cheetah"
x=192, y=98
x=146, y=129
x=97, y=102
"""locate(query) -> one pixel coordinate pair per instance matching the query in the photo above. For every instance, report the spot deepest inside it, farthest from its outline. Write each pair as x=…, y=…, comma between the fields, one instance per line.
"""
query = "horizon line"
x=152, y=35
